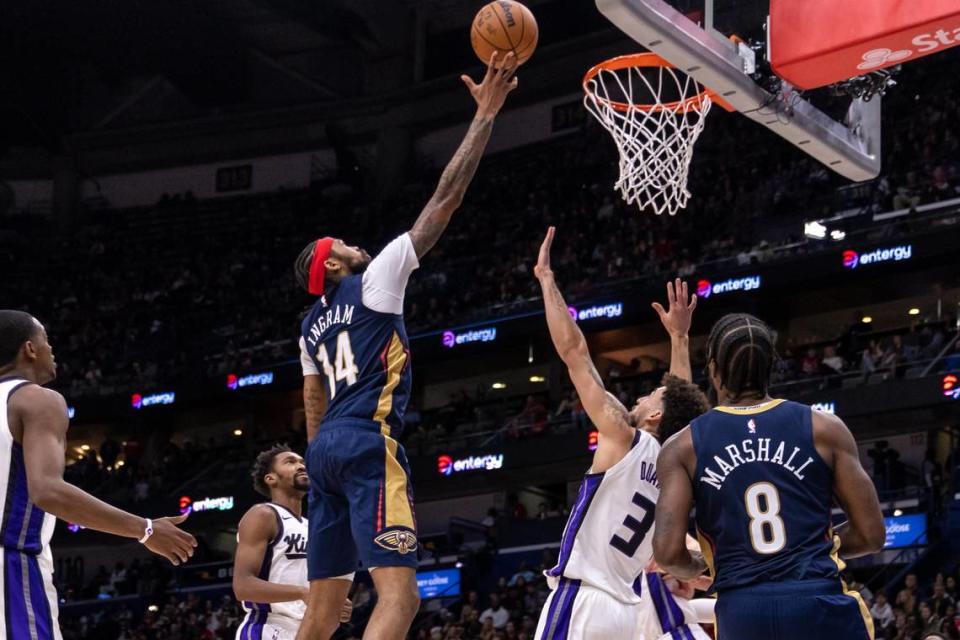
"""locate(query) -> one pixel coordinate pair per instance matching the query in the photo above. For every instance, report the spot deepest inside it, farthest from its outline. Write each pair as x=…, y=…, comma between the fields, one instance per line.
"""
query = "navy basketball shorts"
x=793, y=611
x=361, y=502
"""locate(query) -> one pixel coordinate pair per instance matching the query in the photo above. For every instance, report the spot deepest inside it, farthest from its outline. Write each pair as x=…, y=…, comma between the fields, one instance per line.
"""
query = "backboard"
x=733, y=69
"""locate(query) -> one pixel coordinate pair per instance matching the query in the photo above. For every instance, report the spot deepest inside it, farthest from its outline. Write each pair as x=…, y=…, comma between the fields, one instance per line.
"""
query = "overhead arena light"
x=838, y=235
x=815, y=230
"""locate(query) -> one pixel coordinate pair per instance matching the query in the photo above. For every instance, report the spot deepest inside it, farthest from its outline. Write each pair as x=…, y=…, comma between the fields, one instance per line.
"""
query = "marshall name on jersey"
x=754, y=451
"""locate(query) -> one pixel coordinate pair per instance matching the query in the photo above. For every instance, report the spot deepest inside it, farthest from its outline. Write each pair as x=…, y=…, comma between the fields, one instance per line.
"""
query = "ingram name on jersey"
x=606, y=542
x=363, y=355
x=763, y=495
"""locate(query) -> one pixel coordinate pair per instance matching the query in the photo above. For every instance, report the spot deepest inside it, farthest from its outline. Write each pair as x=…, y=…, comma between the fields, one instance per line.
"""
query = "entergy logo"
x=899, y=253
x=747, y=283
x=444, y=465
x=950, y=387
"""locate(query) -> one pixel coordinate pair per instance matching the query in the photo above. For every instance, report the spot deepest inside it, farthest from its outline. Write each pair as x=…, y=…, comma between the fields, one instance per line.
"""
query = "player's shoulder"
x=261, y=518
x=32, y=395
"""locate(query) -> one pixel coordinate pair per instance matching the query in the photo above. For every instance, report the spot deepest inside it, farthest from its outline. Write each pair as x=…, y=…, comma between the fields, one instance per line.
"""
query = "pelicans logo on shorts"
x=403, y=541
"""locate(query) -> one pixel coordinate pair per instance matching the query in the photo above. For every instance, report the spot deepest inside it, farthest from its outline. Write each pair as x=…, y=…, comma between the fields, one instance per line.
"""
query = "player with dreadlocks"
x=763, y=474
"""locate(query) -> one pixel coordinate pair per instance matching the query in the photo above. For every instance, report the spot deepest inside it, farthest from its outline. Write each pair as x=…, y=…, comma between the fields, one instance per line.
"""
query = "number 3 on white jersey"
x=768, y=534
x=343, y=367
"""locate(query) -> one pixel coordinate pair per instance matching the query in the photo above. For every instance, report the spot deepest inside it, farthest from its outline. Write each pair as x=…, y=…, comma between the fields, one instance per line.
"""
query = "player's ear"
x=270, y=479
x=30, y=350
x=654, y=417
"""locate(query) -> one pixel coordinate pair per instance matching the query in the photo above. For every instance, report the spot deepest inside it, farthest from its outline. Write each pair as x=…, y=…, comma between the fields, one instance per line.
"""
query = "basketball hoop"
x=655, y=113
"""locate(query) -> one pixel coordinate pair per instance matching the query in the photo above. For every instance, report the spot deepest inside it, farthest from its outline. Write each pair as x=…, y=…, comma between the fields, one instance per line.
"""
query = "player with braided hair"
x=763, y=473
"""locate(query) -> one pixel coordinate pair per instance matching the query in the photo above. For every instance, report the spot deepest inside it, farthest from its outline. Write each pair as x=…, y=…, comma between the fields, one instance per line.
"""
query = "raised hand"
x=676, y=320
x=496, y=84
x=172, y=543
x=542, y=268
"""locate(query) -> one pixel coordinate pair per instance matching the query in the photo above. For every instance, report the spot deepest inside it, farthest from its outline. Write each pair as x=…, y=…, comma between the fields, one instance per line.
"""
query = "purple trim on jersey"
x=638, y=586
x=16, y=507
x=560, y=613
x=671, y=618
x=588, y=489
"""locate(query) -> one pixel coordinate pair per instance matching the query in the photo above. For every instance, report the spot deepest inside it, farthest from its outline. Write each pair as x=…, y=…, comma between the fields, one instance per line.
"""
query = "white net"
x=655, y=114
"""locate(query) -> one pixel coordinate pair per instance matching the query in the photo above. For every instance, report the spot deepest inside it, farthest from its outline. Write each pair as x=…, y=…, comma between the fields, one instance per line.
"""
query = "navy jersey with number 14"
x=363, y=356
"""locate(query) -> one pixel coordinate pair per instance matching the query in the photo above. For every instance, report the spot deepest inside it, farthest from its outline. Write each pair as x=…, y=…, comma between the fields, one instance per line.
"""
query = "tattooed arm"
x=489, y=95
x=606, y=412
x=314, y=403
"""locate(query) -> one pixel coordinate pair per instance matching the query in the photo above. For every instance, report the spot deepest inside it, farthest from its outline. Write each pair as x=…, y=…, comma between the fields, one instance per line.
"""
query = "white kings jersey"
x=284, y=562
x=607, y=543
x=25, y=531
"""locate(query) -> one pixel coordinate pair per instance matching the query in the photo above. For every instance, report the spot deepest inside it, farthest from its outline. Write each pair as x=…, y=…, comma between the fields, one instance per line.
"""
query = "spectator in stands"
x=881, y=611
x=531, y=421
x=909, y=193
x=832, y=362
x=929, y=619
x=940, y=601
x=496, y=613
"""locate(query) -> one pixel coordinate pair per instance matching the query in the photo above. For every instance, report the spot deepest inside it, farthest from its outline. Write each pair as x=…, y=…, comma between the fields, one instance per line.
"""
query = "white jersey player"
x=270, y=568
x=33, y=435
x=598, y=584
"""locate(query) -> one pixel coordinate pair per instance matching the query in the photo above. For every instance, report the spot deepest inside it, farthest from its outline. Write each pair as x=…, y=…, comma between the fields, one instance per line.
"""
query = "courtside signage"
x=905, y=531
x=235, y=382
x=187, y=505
x=140, y=401
x=443, y=583
x=447, y=466
x=612, y=310
x=705, y=288
x=898, y=253
x=452, y=339
x=71, y=412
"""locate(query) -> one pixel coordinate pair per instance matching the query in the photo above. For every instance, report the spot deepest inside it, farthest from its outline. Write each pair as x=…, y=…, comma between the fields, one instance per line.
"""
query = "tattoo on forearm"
x=453, y=184
x=313, y=404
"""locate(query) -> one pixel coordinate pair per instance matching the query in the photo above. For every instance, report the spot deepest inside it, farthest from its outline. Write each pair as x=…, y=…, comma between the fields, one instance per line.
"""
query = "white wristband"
x=147, y=532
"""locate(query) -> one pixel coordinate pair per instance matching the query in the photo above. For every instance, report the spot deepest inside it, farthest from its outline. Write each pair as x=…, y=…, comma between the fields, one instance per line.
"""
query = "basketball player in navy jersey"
x=355, y=357
x=270, y=566
x=33, y=433
x=763, y=474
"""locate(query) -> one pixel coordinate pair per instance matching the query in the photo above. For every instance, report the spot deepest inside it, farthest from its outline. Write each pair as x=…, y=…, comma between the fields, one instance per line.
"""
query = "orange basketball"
x=504, y=26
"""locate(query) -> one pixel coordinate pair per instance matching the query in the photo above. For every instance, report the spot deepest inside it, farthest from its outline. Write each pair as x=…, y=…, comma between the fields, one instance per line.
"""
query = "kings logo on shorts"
x=403, y=541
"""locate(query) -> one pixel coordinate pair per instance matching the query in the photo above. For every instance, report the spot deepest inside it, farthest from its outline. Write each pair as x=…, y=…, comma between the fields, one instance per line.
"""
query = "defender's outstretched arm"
x=605, y=411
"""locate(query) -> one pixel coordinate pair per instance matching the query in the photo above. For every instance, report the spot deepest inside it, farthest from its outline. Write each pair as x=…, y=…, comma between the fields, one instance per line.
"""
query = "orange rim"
x=646, y=60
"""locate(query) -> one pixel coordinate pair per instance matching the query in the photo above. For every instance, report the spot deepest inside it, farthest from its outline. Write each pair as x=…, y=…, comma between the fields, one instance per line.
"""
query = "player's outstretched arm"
x=865, y=532
x=673, y=509
x=43, y=415
x=676, y=320
x=257, y=528
x=489, y=95
x=605, y=411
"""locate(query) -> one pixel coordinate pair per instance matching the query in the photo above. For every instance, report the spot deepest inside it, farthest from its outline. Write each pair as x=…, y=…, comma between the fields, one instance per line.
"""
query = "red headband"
x=318, y=271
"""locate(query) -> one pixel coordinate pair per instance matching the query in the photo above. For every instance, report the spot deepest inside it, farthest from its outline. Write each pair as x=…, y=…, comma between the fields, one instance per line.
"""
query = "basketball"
x=504, y=26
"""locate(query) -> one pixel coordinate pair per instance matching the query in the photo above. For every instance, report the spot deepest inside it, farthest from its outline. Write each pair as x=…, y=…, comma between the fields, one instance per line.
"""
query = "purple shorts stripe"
x=557, y=626
x=38, y=599
x=671, y=617
x=588, y=489
x=18, y=625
